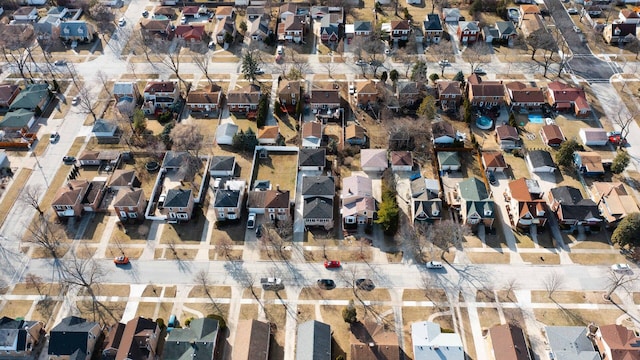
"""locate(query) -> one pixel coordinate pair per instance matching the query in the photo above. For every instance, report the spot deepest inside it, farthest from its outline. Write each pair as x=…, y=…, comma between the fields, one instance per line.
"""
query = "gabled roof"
x=104, y=126
x=523, y=189
x=506, y=132
x=177, y=198
x=493, y=159
x=174, y=159
x=227, y=129
x=294, y=23
x=529, y=9
x=313, y=341
x=289, y=87
x=622, y=342
x=401, y=158
x=407, y=88
x=374, y=158
x=563, y=92
x=17, y=119
x=354, y=132
x=79, y=28
x=469, y=26
x=449, y=87
x=312, y=129
x=318, y=208
x=541, y=158
x=591, y=160
x=197, y=342
x=325, y=96
x=226, y=198
x=225, y=11
x=473, y=189
x=211, y=95
x=569, y=195
x=373, y=341
x=571, y=342
x=312, y=157
x=359, y=206
x=190, y=31
x=222, y=163
x=448, y=12
x=362, y=26
x=593, y=134
x=367, y=87
x=71, y=193
x=70, y=335
x=425, y=188
x=509, y=343
x=136, y=333
x=276, y=199
x=255, y=10
x=398, y=25
x=520, y=92
x=268, y=132
x=252, y=340
x=449, y=158
x=318, y=186
x=249, y=94
x=356, y=186
x=615, y=198
x=128, y=197
x=506, y=28
x=124, y=88
x=432, y=23
x=487, y=88
x=7, y=91
x=553, y=132
x=159, y=86
x=442, y=128
x=30, y=97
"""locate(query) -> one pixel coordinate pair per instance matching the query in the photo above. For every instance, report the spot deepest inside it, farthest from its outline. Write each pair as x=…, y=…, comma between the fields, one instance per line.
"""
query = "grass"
x=130, y=234
x=576, y=317
x=541, y=258
x=468, y=334
x=11, y=195
x=489, y=257
x=152, y=291
x=281, y=168
x=436, y=295
x=191, y=231
x=94, y=231
x=248, y=312
x=182, y=254
x=198, y=291
x=571, y=297
x=597, y=259
x=146, y=309
x=488, y=317
x=344, y=255
x=17, y=308
x=113, y=290
x=276, y=314
x=27, y=289
x=315, y=293
x=340, y=343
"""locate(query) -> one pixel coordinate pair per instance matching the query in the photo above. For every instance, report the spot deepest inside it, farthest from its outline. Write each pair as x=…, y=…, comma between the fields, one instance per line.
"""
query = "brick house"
x=484, y=93
x=468, y=32
x=449, y=94
x=244, y=99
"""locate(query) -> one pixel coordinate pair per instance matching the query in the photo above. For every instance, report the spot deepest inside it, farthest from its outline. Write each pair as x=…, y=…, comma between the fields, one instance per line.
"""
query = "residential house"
x=224, y=30
x=312, y=159
x=48, y=27
x=73, y=338
x=566, y=98
x=77, y=30
x=155, y=27
x=199, y=341
x=540, y=161
x=99, y=158
x=244, y=99
x=274, y=204
x=159, y=95
x=468, y=32
x=400, y=30
x=313, y=341
x=476, y=207
x=292, y=8
x=493, y=161
x=355, y=135
x=529, y=9
x=433, y=31
x=194, y=11
x=178, y=204
x=330, y=28
x=589, y=163
x=617, y=342
x=8, y=93
x=358, y=204
x=318, y=194
x=359, y=29
x=490, y=34
x=618, y=33
x=525, y=204
x=366, y=92
x=167, y=11
x=34, y=96
x=570, y=342
x=190, y=32
x=507, y=137
x=318, y=12
x=327, y=100
x=252, y=340
x=594, y=137
x=129, y=204
x=105, y=132
x=614, y=201
x=448, y=161
x=289, y=94
x=17, y=122
x=268, y=135
x=628, y=16
x=205, y=100
x=451, y=15
x=311, y=134
x=484, y=93
x=173, y=160
x=26, y=13
x=449, y=94
x=126, y=91
x=255, y=11
x=123, y=178
x=374, y=160
x=224, y=12
x=292, y=29
x=228, y=200
x=408, y=93
x=508, y=342
x=521, y=97
x=401, y=161
x=68, y=199
x=19, y=337
x=426, y=205
x=531, y=23
x=552, y=135
x=138, y=339
x=372, y=341
x=222, y=166
x=258, y=29
x=225, y=133
x=593, y=10
x=429, y=342
x=506, y=31
x=572, y=208
x=442, y=133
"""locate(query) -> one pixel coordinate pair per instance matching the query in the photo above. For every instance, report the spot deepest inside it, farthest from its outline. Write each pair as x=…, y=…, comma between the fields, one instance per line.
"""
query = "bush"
x=165, y=117
x=160, y=322
x=188, y=322
x=620, y=162
x=349, y=313
x=340, y=357
x=221, y=322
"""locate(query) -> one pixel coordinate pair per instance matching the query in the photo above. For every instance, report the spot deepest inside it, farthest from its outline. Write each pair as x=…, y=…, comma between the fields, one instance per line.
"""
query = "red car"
x=121, y=260
x=331, y=264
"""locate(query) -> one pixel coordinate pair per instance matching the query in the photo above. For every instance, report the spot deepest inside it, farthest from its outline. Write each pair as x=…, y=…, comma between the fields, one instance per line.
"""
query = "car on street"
x=361, y=62
x=576, y=29
x=387, y=51
x=623, y=268
x=54, y=137
x=145, y=14
x=326, y=284
x=75, y=100
x=122, y=21
x=212, y=44
x=444, y=63
x=60, y=63
x=352, y=89
x=434, y=265
x=272, y=283
x=332, y=264
x=479, y=71
x=68, y=160
x=572, y=11
x=251, y=222
x=121, y=260
x=365, y=284
x=259, y=71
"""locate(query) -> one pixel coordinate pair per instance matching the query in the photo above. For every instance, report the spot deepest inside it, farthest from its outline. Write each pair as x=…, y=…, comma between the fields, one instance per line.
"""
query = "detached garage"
x=594, y=137
x=225, y=133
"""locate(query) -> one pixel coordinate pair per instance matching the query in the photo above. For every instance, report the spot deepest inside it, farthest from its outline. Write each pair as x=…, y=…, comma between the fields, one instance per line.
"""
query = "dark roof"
x=226, y=198
x=69, y=336
x=433, y=23
x=442, y=128
x=174, y=159
x=541, y=158
x=197, y=342
x=318, y=208
x=312, y=157
x=573, y=205
x=569, y=195
x=508, y=342
x=318, y=185
x=252, y=340
x=128, y=197
x=362, y=25
x=134, y=339
x=177, y=198
x=222, y=163
x=314, y=341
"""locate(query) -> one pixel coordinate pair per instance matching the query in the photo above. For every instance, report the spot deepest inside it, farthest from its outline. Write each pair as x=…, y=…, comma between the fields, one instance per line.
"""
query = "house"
x=617, y=33
x=324, y=99
x=521, y=97
x=589, y=163
x=468, y=32
x=123, y=178
x=552, y=135
x=129, y=204
x=73, y=338
x=258, y=29
x=20, y=337
x=506, y=31
x=628, y=16
x=312, y=159
x=271, y=203
x=34, y=96
x=138, y=339
x=570, y=342
x=366, y=92
x=318, y=194
x=190, y=32
x=224, y=12
x=613, y=200
x=178, y=204
x=432, y=29
x=205, y=100
x=227, y=204
x=313, y=341
x=426, y=205
x=292, y=29
x=289, y=94
x=508, y=342
x=173, y=160
x=358, y=204
x=48, y=27
x=252, y=340
x=8, y=93
x=98, y=158
x=451, y=15
x=318, y=12
x=330, y=29
x=199, y=341
x=17, y=121
x=224, y=30
x=26, y=13
x=507, y=137
x=540, y=161
x=572, y=208
x=167, y=11
x=408, y=93
x=268, y=135
x=593, y=137
x=374, y=160
x=401, y=161
x=529, y=9
x=155, y=27
x=593, y=11
x=105, y=131
x=160, y=95
x=126, y=91
x=254, y=12
x=490, y=34
x=68, y=199
x=222, y=166
x=361, y=29
x=225, y=133
x=493, y=161
x=566, y=98
x=311, y=134
x=475, y=205
x=448, y=161
x=617, y=342
x=292, y=8
x=355, y=135
x=372, y=341
x=429, y=342
x=483, y=93
x=525, y=203
x=449, y=94
x=531, y=23
x=244, y=99
x=77, y=30
x=318, y=186
x=442, y=133
x=400, y=30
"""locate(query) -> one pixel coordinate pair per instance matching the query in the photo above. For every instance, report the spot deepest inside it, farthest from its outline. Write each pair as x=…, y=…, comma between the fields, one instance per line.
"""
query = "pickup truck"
x=271, y=283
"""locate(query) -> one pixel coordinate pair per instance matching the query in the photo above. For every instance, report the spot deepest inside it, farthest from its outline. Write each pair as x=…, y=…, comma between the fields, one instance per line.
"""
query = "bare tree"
x=226, y=246
x=187, y=137
x=619, y=280
x=35, y=281
x=540, y=39
x=202, y=59
x=477, y=54
x=46, y=234
x=172, y=246
x=510, y=286
x=552, y=283
x=202, y=278
x=104, y=80
x=31, y=196
x=87, y=103
x=284, y=228
x=17, y=49
x=442, y=51
x=170, y=58
x=623, y=117
x=330, y=67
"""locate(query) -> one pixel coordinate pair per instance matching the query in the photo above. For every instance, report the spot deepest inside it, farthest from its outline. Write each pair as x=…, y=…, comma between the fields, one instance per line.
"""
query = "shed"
x=540, y=161
x=593, y=137
x=225, y=133
x=449, y=161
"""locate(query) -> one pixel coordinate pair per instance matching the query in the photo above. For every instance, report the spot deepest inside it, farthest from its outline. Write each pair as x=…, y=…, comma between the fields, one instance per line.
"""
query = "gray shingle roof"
x=571, y=342
x=174, y=159
x=312, y=157
x=16, y=119
x=541, y=158
x=226, y=198
x=197, y=342
x=70, y=336
x=318, y=208
x=433, y=23
x=30, y=97
x=314, y=341
x=318, y=185
x=222, y=163
x=177, y=198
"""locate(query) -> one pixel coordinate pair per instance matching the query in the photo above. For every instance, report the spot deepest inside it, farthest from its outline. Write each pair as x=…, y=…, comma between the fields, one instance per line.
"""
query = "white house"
x=594, y=137
x=374, y=160
x=430, y=343
x=225, y=133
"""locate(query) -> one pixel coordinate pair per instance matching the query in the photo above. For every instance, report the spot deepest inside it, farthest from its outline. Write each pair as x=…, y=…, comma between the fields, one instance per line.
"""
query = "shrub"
x=165, y=117
x=349, y=313
x=188, y=322
x=160, y=322
x=221, y=322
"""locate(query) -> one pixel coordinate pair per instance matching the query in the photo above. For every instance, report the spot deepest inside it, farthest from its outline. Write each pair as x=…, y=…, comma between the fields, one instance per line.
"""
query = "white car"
x=54, y=137
x=576, y=29
x=352, y=89
x=259, y=71
x=251, y=222
x=434, y=265
x=75, y=100
x=444, y=63
x=572, y=11
x=280, y=50
x=122, y=21
x=621, y=268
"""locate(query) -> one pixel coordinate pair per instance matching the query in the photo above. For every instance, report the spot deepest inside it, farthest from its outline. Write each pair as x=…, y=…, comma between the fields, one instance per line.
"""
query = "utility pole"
x=42, y=171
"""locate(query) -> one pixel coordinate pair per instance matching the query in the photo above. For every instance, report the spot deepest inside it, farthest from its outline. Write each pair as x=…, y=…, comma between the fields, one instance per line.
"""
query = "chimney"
x=70, y=186
x=278, y=187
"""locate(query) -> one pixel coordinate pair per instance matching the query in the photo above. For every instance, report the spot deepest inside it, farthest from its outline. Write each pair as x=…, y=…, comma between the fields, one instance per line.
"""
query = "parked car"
x=60, y=63
x=122, y=21
x=332, y=264
x=352, y=89
x=54, y=137
x=259, y=71
x=280, y=50
x=326, y=284
x=576, y=29
x=492, y=178
x=251, y=222
x=121, y=260
x=365, y=284
x=361, y=62
x=479, y=71
x=259, y=231
x=273, y=284
x=623, y=268
x=68, y=160
x=145, y=13
x=75, y=100
x=444, y=63
x=572, y=11
x=434, y=265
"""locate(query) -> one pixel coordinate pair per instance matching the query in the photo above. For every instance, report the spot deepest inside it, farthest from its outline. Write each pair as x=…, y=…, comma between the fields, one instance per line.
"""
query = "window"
x=131, y=208
x=272, y=210
x=133, y=215
x=68, y=207
x=350, y=220
x=123, y=214
x=221, y=215
x=182, y=216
